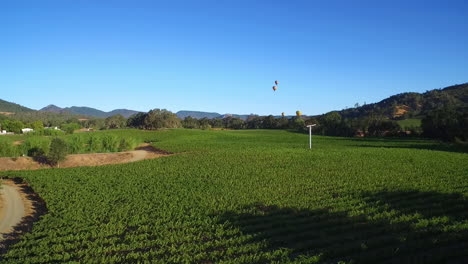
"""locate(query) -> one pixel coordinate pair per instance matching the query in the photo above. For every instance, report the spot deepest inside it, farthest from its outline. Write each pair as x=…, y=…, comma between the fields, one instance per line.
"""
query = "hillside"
x=197, y=114
x=10, y=107
x=124, y=112
x=210, y=115
x=413, y=105
x=88, y=111
x=52, y=108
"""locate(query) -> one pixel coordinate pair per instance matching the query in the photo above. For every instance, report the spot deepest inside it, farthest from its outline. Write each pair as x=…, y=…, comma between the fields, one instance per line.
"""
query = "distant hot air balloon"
x=282, y=114
x=274, y=88
x=298, y=113
x=276, y=82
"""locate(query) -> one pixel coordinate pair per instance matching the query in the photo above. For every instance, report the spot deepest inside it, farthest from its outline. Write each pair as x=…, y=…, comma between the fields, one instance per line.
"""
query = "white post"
x=310, y=135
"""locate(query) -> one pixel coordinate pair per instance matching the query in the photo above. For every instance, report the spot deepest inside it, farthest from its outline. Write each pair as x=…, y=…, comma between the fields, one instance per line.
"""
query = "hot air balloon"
x=298, y=113
x=274, y=88
x=276, y=82
x=282, y=114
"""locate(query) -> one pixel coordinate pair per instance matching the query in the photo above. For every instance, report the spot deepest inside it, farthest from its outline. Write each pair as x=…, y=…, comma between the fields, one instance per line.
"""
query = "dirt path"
x=145, y=151
x=138, y=155
x=12, y=208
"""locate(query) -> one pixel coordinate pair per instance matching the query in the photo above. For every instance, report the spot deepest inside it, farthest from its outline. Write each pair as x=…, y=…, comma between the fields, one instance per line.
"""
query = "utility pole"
x=310, y=135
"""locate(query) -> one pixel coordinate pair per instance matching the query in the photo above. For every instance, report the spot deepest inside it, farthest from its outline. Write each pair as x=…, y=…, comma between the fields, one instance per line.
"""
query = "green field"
x=409, y=123
x=96, y=142
x=256, y=196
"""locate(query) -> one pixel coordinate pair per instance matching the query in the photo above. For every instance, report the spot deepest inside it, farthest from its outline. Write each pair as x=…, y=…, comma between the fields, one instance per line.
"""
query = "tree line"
x=447, y=123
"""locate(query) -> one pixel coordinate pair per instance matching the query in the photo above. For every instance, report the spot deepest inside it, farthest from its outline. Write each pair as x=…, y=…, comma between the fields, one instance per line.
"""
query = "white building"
x=27, y=130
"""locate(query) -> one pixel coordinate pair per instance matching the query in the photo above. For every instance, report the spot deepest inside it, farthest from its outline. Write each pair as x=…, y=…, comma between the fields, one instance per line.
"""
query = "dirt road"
x=138, y=155
x=12, y=208
x=144, y=151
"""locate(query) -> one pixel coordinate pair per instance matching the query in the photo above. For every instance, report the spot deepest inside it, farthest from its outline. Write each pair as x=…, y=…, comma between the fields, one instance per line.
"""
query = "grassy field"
x=256, y=196
x=409, y=123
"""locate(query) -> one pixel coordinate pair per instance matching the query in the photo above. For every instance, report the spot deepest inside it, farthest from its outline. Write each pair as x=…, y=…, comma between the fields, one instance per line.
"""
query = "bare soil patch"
x=18, y=142
x=145, y=151
x=401, y=110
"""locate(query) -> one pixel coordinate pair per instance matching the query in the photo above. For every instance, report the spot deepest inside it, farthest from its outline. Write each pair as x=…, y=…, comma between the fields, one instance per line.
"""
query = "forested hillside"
x=9, y=107
x=413, y=105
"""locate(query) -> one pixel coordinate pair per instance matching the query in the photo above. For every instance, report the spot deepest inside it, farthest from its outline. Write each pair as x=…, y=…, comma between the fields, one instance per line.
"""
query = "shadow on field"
x=403, y=229
x=409, y=144
x=434, y=147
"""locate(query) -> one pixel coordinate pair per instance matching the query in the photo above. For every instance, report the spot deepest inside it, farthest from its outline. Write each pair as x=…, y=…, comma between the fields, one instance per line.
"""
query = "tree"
x=383, y=128
x=37, y=125
x=298, y=124
x=137, y=120
x=204, y=123
x=446, y=123
x=70, y=127
x=190, y=122
x=161, y=118
x=57, y=152
x=14, y=126
x=115, y=121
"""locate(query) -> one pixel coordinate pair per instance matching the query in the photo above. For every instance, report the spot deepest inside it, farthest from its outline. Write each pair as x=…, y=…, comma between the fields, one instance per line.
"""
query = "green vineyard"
x=255, y=196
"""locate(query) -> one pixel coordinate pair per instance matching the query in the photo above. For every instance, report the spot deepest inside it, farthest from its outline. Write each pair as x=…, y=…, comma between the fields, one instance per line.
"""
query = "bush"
x=57, y=152
x=7, y=149
x=36, y=143
x=127, y=144
x=46, y=132
x=110, y=143
x=70, y=127
x=94, y=144
x=75, y=145
x=37, y=154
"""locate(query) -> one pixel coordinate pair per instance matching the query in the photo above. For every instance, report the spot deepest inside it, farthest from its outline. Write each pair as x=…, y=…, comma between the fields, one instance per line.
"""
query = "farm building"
x=27, y=130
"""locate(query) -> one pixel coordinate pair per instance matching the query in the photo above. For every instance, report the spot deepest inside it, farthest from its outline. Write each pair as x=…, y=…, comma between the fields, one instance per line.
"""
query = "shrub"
x=75, y=144
x=110, y=143
x=94, y=144
x=46, y=132
x=35, y=143
x=37, y=154
x=7, y=149
x=127, y=144
x=57, y=152
x=70, y=127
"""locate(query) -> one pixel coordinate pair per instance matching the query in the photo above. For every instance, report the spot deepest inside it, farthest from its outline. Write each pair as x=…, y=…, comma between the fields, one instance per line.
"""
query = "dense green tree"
x=69, y=128
x=57, y=152
x=446, y=123
x=161, y=118
x=37, y=125
x=216, y=123
x=190, y=122
x=14, y=126
x=383, y=128
x=115, y=121
x=137, y=120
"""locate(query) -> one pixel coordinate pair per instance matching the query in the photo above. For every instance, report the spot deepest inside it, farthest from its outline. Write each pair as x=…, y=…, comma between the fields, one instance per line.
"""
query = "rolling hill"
x=413, y=105
x=88, y=111
x=9, y=107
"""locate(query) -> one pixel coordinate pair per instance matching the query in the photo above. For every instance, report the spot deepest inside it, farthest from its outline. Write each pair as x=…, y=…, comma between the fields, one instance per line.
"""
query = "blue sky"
x=223, y=56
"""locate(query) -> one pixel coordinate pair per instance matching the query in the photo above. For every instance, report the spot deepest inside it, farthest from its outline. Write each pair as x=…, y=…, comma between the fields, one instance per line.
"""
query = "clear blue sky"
x=224, y=56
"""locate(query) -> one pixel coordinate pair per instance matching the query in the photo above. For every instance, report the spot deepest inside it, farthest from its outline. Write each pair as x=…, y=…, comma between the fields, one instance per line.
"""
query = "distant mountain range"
x=210, y=115
x=88, y=111
x=400, y=106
